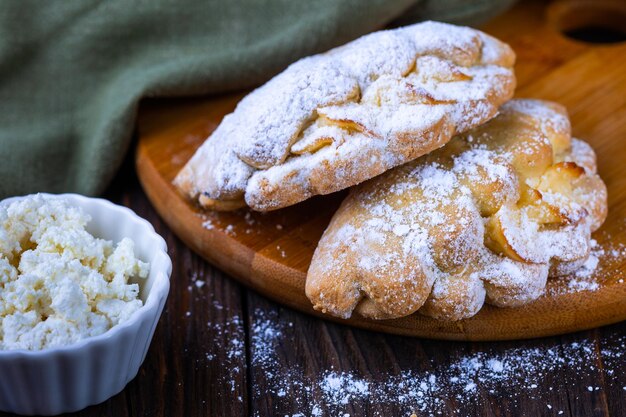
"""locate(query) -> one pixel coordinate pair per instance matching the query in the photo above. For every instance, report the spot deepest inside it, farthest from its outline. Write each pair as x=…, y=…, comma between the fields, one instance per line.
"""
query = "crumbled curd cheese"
x=58, y=283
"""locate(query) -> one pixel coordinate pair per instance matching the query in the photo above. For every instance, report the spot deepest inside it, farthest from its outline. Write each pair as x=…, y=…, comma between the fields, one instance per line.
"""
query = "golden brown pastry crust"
x=333, y=120
x=484, y=219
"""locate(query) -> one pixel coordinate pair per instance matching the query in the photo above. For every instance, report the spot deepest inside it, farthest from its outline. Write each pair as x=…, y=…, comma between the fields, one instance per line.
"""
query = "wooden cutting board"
x=271, y=252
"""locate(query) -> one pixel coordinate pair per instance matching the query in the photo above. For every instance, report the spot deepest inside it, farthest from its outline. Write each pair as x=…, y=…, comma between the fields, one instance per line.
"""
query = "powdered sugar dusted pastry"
x=486, y=218
x=333, y=120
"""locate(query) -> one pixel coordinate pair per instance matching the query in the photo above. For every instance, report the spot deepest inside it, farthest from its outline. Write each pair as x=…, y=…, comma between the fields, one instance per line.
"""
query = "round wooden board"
x=271, y=252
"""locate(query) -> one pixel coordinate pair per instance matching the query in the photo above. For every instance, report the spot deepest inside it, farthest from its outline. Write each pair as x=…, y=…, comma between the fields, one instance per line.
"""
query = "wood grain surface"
x=221, y=349
x=204, y=358
x=271, y=252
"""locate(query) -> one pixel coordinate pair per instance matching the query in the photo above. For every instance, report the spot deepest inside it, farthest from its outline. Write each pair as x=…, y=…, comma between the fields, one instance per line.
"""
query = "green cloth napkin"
x=72, y=72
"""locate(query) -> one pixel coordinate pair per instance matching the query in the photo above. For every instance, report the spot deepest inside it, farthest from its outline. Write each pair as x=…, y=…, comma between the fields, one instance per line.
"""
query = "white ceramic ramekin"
x=70, y=378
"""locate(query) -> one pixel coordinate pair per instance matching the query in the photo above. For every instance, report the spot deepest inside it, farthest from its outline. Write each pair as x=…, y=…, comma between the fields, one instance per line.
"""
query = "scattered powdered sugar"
x=340, y=388
x=254, y=223
x=281, y=251
x=196, y=282
x=520, y=373
x=230, y=338
x=210, y=224
x=575, y=285
x=601, y=265
x=228, y=335
x=266, y=330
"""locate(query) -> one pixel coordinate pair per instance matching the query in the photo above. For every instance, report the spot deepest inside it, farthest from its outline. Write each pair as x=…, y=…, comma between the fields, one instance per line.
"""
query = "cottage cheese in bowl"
x=58, y=283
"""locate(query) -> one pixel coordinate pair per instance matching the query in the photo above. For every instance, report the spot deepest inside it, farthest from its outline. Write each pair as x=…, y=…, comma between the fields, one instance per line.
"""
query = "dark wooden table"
x=222, y=350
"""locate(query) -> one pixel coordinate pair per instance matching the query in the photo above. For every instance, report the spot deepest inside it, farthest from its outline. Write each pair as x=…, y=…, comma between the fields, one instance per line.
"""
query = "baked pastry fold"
x=333, y=120
x=486, y=218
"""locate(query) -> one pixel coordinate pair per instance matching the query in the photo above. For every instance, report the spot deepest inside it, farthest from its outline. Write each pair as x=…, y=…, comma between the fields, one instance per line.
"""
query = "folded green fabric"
x=73, y=72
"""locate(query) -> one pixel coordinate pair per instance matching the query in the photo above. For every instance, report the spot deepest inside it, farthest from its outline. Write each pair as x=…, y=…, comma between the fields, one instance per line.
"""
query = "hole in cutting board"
x=596, y=34
x=597, y=22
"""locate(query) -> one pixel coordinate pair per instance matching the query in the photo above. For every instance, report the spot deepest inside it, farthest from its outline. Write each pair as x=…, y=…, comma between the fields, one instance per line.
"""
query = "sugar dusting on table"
x=520, y=373
x=516, y=372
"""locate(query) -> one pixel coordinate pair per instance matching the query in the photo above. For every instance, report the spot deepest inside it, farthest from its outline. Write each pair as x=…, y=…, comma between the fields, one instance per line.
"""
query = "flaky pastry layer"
x=486, y=218
x=333, y=120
